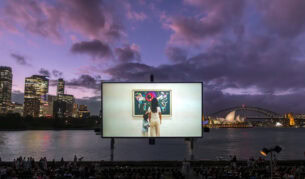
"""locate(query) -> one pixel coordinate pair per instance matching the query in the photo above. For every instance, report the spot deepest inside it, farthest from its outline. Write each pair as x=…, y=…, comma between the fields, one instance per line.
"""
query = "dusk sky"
x=245, y=51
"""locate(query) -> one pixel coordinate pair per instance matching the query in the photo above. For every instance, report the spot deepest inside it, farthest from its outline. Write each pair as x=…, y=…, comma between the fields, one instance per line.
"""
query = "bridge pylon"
x=291, y=119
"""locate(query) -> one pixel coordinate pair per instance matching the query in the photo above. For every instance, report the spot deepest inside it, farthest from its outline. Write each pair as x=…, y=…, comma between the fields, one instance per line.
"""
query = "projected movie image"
x=142, y=101
x=152, y=109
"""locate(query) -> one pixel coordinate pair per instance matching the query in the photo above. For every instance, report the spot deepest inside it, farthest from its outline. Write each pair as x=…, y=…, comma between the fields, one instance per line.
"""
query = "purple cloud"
x=57, y=74
x=219, y=15
x=44, y=72
x=90, y=18
x=128, y=53
x=244, y=51
x=86, y=81
x=95, y=48
x=260, y=66
x=285, y=18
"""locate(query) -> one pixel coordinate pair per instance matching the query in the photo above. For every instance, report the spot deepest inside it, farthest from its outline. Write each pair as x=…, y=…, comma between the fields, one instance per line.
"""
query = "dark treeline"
x=17, y=122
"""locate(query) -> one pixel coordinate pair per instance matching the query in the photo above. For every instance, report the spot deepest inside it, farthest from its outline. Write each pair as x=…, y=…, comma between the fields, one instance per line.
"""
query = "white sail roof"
x=237, y=118
x=230, y=117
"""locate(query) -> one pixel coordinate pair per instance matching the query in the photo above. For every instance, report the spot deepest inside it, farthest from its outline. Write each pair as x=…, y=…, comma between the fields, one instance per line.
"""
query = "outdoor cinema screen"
x=151, y=109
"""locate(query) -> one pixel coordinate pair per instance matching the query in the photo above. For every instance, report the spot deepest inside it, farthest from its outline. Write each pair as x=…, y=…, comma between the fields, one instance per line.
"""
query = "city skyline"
x=245, y=52
x=37, y=100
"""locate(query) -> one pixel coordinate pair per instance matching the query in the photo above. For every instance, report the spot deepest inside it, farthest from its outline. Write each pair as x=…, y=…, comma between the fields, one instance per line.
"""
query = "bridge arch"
x=266, y=112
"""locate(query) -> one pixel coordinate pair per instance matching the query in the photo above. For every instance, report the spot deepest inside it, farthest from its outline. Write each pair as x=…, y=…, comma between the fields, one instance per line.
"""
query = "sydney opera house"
x=230, y=120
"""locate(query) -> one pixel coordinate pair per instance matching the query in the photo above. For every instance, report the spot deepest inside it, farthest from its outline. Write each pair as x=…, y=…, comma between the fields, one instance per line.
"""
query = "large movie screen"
x=152, y=109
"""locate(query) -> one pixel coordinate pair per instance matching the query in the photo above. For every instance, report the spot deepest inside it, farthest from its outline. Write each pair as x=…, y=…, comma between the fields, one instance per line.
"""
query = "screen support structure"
x=112, y=149
x=192, y=149
x=190, y=142
x=112, y=139
x=151, y=141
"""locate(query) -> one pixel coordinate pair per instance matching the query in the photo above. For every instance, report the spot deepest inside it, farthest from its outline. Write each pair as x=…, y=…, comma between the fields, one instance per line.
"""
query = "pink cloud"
x=217, y=16
x=6, y=25
x=133, y=15
x=92, y=19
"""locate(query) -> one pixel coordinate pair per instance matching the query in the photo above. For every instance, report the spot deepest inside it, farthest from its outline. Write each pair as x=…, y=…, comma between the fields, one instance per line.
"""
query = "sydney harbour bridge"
x=264, y=113
x=252, y=113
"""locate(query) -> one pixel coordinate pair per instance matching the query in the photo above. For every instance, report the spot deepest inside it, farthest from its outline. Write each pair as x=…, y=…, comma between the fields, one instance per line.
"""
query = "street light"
x=265, y=151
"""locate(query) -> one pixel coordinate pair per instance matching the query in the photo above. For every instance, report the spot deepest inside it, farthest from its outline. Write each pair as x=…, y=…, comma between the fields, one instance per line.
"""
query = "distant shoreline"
x=48, y=129
x=92, y=128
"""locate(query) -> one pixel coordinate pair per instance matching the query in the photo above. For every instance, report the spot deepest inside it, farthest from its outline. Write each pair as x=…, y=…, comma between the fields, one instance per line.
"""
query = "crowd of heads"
x=23, y=167
x=253, y=168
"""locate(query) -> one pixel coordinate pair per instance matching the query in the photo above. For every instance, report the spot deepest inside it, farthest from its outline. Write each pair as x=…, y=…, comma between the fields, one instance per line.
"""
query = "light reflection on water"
x=241, y=142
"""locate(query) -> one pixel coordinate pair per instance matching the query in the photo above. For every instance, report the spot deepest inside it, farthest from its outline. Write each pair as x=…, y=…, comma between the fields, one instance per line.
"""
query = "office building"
x=69, y=101
x=60, y=88
x=35, y=96
x=51, y=100
x=83, y=111
x=63, y=106
x=17, y=108
x=6, y=77
x=64, y=103
x=75, y=111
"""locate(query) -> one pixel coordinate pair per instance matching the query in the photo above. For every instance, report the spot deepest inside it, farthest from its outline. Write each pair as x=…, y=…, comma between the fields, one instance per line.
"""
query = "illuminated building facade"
x=60, y=88
x=17, y=108
x=35, y=96
x=69, y=101
x=75, y=111
x=63, y=105
x=51, y=100
x=291, y=119
x=6, y=77
x=83, y=111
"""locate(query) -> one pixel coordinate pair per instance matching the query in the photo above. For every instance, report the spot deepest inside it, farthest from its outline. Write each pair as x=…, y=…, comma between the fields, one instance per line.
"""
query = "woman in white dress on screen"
x=155, y=118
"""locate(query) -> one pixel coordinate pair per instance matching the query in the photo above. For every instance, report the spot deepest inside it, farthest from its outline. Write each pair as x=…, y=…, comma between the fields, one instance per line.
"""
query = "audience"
x=23, y=167
x=254, y=169
x=29, y=168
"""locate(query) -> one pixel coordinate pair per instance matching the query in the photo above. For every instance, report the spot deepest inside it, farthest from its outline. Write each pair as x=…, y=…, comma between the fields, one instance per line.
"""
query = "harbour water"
x=218, y=142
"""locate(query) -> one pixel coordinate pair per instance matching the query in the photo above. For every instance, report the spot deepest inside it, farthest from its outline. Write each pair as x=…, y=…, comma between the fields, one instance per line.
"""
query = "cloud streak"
x=85, y=81
x=21, y=60
x=44, y=72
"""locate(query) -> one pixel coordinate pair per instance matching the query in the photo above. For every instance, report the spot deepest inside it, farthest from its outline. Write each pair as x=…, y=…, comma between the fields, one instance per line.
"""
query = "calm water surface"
x=218, y=142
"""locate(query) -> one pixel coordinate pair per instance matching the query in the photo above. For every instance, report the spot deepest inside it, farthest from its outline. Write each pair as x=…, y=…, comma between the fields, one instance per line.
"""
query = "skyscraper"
x=75, y=111
x=51, y=100
x=17, y=108
x=63, y=107
x=83, y=111
x=69, y=100
x=5, y=88
x=60, y=88
x=35, y=95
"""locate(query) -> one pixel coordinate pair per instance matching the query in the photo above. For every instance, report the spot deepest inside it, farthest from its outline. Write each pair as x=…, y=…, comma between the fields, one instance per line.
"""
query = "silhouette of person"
x=155, y=118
